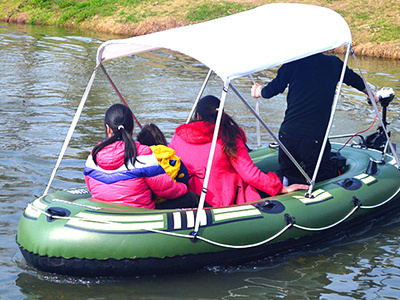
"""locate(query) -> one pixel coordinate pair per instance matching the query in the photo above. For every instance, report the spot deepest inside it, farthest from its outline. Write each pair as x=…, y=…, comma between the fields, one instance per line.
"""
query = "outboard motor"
x=378, y=139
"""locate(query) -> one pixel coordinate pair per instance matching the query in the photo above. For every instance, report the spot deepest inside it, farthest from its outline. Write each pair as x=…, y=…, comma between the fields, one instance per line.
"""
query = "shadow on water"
x=44, y=74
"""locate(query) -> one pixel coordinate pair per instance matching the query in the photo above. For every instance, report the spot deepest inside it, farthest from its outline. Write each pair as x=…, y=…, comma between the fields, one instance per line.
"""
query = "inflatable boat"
x=68, y=232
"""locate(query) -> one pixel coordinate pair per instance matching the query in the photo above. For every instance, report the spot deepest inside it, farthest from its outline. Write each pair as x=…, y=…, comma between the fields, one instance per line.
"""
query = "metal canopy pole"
x=200, y=209
x=328, y=129
x=71, y=129
x=272, y=134
x=199, y=95
x=371, y=96
x=119, y=94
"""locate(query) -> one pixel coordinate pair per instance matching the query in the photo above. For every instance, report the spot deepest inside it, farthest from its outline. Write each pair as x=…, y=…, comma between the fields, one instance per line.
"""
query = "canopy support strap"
x=118, y=93
x=71, y=129
x=272, y=134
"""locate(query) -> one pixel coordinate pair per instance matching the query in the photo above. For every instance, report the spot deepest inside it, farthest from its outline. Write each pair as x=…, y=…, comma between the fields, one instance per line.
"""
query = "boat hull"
x=67, y=232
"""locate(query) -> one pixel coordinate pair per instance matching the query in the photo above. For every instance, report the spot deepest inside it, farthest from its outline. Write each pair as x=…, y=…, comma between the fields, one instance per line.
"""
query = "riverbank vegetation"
x=375, y=24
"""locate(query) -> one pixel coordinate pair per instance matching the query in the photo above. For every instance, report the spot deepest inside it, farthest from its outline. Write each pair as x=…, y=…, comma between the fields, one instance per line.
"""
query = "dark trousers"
x=306, y=151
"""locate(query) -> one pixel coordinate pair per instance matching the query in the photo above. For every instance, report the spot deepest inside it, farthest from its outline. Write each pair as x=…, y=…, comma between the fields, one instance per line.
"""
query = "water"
x=44, y=72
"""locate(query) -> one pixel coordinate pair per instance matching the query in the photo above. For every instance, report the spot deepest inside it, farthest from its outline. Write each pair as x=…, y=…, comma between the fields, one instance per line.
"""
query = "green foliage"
x=131, y=2
x=384, y=31
x=212, y=10
x=363, y=16
x=133, y=18
x=41, y=4
x=68, y=10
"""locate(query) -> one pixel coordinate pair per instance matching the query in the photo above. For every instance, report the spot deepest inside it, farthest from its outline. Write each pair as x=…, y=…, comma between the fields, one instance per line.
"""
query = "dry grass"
x=367, y=20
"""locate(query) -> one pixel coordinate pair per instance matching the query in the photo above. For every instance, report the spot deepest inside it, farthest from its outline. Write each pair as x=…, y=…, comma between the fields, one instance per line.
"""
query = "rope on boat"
x=289, y=220
x=166, y=232
x=330, y=226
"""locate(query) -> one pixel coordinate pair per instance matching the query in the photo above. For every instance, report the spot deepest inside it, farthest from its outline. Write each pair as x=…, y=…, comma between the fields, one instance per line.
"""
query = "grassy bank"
x=375, y=24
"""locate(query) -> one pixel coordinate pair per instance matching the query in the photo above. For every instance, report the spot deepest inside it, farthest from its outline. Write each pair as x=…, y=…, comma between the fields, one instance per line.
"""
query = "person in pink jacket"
x=234, y=177
x=121, y=170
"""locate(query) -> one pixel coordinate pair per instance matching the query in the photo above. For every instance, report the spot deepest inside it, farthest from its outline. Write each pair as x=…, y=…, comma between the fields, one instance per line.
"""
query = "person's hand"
x=256, y=90
x=294, y=187
x=376, y=98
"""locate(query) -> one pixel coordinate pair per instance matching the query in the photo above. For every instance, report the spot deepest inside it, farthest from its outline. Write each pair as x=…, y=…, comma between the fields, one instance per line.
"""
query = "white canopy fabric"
x=246, y=42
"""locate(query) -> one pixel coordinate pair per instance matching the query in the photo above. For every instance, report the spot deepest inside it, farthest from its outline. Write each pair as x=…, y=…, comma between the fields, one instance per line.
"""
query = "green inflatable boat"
x=68, y=232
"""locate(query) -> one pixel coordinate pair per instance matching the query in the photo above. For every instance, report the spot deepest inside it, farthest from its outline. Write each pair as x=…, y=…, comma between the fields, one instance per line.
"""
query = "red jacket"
x=231, y=180
x=111, y=181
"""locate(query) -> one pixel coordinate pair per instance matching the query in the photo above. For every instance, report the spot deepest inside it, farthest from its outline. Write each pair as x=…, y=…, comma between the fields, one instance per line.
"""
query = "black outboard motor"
x=378, y=139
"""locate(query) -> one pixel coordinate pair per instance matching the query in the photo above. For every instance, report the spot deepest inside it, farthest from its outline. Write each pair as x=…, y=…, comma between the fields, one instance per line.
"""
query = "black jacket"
x=312, y=83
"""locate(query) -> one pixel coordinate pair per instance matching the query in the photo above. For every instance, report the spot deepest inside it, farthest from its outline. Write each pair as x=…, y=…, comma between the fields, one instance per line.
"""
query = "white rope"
x=382, y=203
x=246, y=246
x=166, y=232
x=330, y=226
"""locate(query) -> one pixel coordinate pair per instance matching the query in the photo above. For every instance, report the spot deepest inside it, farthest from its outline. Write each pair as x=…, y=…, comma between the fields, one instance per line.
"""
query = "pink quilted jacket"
x=111, y=181
x=232, y=180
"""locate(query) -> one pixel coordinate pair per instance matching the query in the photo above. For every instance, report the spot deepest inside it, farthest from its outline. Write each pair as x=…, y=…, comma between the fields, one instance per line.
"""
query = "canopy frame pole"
x=257, y=109
x=330, y=123
x=260, y=120
x=71, y=129
x=199, y=95
x=200, y=209
x=371, y=97
x=118, y=93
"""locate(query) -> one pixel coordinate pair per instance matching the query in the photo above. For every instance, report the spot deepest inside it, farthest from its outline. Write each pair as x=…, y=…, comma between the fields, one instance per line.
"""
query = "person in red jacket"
x=121, y=170
x=234, y=177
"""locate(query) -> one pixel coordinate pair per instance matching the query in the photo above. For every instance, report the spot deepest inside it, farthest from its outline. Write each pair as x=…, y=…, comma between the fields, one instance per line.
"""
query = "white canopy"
x=246, y=42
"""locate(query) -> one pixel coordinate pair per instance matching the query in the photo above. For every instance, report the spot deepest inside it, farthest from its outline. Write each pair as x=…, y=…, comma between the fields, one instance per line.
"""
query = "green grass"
x=212, y=10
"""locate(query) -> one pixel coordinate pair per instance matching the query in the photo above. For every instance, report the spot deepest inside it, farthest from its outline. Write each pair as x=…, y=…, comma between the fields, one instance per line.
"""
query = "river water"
x=44, y=72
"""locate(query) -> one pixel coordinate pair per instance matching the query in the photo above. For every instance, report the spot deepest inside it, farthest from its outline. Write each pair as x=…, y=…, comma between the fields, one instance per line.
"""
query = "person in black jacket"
x=312, y=84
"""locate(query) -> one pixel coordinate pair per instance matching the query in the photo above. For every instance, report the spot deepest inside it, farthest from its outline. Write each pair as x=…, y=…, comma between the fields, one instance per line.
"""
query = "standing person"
x=121, y=170
x=312, y=84
x=234, y=177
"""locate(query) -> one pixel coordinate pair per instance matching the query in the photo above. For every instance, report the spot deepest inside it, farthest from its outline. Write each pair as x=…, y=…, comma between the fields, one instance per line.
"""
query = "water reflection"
x=44, y=74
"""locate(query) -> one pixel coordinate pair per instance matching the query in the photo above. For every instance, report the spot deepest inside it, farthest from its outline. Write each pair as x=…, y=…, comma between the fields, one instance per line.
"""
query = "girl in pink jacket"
x=234, y=177
x=121, y=170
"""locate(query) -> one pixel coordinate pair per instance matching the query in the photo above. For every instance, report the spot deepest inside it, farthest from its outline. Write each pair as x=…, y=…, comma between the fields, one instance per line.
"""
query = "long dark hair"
x=207, y=110
x=151, y=135
x=120, y=120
